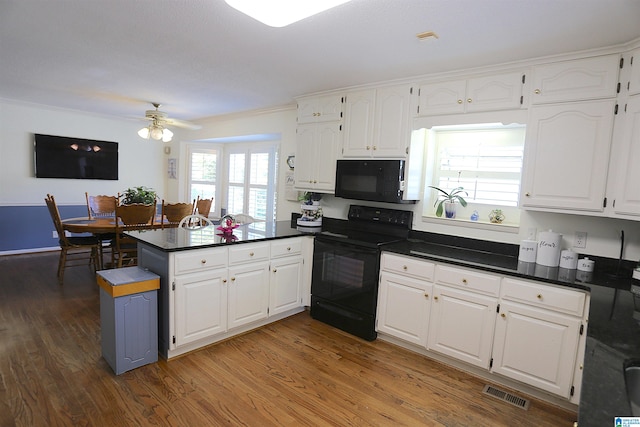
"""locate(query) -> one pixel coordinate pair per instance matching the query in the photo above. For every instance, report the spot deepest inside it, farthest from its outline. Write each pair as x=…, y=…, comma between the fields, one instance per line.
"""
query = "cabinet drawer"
x=545, y=296
x=408, y=266
x=207, y=259
x=248, y=253
x=286, y=247
x=468, y=279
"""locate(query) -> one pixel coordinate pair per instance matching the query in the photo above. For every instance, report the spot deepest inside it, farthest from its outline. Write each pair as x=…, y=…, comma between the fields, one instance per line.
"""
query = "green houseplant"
x=137, y=206
x=447, y=201
x=141, y=195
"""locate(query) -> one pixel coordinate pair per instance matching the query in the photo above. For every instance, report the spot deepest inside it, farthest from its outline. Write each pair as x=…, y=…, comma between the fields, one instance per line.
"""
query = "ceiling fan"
x=157, y=129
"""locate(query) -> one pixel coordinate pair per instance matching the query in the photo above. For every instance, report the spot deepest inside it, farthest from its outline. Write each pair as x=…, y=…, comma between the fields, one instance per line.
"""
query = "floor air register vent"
x=507, y=397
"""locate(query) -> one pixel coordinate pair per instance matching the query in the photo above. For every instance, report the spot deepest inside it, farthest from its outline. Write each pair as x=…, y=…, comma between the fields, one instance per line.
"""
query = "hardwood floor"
x=294, y=372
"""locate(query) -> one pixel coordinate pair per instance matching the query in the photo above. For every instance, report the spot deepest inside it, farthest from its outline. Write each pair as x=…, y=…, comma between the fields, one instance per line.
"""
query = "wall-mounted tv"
x=75, y=158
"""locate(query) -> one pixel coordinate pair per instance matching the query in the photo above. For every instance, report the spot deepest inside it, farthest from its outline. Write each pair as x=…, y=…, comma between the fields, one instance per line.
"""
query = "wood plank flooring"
x=297, y=372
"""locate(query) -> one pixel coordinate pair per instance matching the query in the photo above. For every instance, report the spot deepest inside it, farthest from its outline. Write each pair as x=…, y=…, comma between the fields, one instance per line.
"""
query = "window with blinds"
x=202, y=173
x=486, y=160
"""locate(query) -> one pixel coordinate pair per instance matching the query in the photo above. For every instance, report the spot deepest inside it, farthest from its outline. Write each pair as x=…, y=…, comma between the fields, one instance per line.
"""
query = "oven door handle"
x=354, y=247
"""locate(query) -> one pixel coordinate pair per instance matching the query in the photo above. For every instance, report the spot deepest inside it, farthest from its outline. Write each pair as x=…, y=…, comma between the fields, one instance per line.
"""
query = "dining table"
x=99, y=225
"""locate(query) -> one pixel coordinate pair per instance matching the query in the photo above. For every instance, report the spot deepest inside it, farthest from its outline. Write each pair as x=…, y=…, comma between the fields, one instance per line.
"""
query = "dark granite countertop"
x=180, y=239
x=613, y=333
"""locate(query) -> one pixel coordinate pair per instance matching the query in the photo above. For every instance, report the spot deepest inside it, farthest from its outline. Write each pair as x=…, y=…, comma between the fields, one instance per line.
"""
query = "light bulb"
x=144, y=133
x=156, y=133
x=166, y=135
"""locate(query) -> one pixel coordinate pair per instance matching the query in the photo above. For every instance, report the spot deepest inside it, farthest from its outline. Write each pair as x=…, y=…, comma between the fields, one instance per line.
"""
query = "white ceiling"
x=202, y=58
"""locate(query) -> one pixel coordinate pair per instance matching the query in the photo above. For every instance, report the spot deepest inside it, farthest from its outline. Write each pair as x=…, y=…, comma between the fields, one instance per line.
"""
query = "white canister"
x=586, y=264
x=568, y=259
x=528, y=251
x=549, y=249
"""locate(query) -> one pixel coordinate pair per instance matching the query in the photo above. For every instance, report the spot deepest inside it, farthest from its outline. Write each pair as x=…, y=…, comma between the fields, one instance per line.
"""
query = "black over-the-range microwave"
x=374, y=180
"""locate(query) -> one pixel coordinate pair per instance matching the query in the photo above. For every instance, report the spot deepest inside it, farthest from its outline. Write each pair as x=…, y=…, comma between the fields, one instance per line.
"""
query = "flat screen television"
x=75, y=158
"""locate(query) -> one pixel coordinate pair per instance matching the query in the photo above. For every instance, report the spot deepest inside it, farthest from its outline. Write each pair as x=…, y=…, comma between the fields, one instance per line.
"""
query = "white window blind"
x=202, y=170
x=486, y=161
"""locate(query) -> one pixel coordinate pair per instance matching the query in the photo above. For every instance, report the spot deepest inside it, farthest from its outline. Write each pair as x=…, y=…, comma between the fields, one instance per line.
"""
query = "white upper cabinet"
x=633, y=85
x=582, y=79
x=488, y=93
x=318, y=141
x=377, y=122
x=315, y=109
x=568, y=144
x=567, y=155
x=627, y=190
x=317, y=146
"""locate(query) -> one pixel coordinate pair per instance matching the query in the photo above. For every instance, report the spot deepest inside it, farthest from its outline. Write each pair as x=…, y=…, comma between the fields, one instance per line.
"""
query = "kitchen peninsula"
x=214, y=286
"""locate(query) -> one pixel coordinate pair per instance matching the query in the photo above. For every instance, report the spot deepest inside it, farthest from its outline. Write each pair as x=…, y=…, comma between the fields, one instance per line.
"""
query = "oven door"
x=344, y=286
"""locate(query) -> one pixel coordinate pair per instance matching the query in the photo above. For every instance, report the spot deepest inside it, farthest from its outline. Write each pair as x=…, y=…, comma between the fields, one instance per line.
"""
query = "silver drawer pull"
x=203, y=261
x=250, y=253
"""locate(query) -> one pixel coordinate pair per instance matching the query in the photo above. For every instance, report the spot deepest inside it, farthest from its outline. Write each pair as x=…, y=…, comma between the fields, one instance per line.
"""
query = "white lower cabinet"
x=462, y=325
x=404, y=298
x=207, y=295
x=287, y=275
x=285, y=284
x=537, y=347
x=248, y=293
x=539, y=334
x=403, y=307
x=200, y=305
x=523, y=330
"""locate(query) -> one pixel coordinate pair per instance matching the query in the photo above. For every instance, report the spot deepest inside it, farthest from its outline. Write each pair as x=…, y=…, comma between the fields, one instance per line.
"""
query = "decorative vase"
x=450, y=209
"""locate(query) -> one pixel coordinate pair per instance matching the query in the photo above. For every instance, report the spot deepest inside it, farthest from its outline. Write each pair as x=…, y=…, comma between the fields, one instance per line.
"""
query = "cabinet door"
x=581, y=79
x=327, y=146
x=285, y=286
x=404, y=307
x=200, y=306
x=567, y=155
x=627, y=201
x=391, y=133
x=633, y=61
x=248, y=294
x=462, y=325
x=492, y=93
x=442, y=98
x=536, y=346
x=320, y=109
x=358, y=123
x=317, y=148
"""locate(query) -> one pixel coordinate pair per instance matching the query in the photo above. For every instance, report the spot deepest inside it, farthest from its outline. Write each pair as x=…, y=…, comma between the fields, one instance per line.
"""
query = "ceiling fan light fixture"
x=280, y=13
x=156, y=133
x=144, y=132
x=167, y=135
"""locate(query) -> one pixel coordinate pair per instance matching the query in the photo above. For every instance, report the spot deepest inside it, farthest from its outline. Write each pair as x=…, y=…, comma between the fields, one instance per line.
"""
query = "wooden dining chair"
x=124, y=249
x=75, y=250
x=203, y=207
x=101, y=206
x=172, y=213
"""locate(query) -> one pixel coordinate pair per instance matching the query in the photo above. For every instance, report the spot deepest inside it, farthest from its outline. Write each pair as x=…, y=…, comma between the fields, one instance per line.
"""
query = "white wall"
x=138, y=158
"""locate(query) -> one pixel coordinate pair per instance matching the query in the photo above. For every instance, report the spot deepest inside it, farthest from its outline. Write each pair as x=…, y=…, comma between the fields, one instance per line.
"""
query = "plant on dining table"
x=141, y=195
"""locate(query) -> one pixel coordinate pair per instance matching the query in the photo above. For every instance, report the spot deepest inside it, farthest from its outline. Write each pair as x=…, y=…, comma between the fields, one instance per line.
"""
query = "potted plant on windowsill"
x=137, y=205
x=448, y=201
